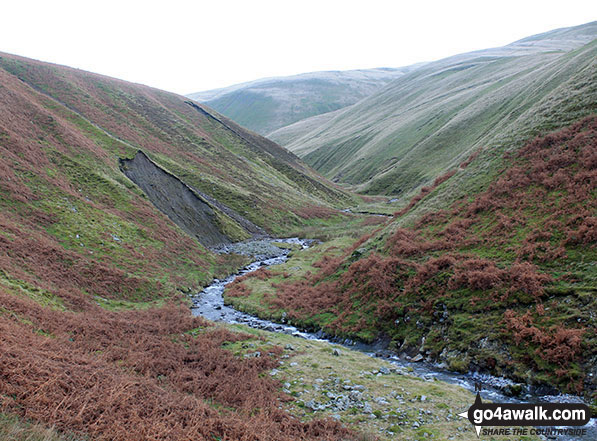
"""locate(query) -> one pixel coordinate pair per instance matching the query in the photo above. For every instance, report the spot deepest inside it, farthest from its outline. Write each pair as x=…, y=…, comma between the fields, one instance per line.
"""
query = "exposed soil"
x=175, y=199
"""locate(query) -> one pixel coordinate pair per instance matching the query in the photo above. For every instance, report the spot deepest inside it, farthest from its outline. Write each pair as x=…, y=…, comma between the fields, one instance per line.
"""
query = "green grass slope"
x=285, y=135
x=503, y=280
x=73, y=223
x=212, y=154
x=270, y=103
x=432, y=118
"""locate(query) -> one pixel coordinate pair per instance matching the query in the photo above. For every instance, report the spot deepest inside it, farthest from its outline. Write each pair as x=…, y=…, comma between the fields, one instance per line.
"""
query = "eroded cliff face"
x=175, y=199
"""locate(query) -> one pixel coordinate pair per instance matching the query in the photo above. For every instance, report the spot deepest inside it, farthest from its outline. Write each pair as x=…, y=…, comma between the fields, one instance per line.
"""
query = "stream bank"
x=209, y=303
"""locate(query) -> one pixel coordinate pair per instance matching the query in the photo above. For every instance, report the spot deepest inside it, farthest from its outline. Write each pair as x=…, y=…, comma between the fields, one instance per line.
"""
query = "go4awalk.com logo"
x=520, y=419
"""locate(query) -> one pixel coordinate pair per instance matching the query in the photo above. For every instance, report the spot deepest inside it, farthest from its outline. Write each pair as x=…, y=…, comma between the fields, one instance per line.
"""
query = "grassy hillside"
x=94, y=339
x=490, y=266
x=287, y=134
x=503, y=280
x=208, y=152
x=431, y=119
x=270, y=103
x=61, y=136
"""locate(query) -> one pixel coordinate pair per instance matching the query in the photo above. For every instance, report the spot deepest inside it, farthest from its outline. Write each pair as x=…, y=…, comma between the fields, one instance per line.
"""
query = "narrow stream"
x=209, y=303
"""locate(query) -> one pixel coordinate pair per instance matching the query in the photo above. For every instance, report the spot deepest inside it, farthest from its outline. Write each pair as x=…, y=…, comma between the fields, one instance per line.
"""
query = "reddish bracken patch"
x=470, y=159
x=374, y=220
x=140, y=375
x=557, y=344
x=536, y=212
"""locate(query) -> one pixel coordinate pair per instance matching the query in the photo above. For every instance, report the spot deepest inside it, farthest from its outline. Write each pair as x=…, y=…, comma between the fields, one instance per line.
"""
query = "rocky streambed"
x=209, y=303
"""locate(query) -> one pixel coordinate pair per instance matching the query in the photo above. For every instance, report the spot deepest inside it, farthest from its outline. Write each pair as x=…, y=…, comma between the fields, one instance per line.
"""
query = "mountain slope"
x=287, y=134
x=62, y=133
x=95, y=337
x=430, y=119
x=503, y=280
x=267, y=104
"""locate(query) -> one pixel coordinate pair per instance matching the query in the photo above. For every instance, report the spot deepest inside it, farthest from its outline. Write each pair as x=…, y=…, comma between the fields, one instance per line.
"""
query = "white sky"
x=189, y=46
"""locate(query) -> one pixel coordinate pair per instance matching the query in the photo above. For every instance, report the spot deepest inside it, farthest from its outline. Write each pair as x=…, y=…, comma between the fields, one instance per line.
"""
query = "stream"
x=209, y=304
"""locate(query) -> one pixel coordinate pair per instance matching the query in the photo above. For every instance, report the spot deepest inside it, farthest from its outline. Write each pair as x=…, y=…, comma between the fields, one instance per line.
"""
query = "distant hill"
x=267, y=104
x=288, y=134
x=487, y=263
x=431, y=118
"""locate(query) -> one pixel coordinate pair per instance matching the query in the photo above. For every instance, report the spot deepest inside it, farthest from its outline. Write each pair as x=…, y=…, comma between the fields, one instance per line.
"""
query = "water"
x=209, y=303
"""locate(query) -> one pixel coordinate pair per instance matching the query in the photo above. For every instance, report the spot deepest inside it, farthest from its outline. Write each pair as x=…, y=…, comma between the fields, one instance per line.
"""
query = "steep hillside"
x=214, y=156
x=502, y=281
x=270, y=103
x=62, y=133
x=95, y=338
x=430, y=119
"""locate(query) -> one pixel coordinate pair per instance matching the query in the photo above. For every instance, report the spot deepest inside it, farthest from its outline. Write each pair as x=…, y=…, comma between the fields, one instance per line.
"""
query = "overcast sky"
x=190, y=46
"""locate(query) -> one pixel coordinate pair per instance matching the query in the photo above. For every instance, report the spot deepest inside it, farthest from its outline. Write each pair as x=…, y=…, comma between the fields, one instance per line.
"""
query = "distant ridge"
x=431, y=118
x=267, y=104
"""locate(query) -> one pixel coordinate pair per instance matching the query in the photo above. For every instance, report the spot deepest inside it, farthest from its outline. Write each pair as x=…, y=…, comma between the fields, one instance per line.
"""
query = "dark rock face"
x=175, y=199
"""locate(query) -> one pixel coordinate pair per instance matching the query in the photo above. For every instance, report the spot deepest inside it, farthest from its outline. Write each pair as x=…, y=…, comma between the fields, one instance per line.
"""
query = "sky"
x=190, y=46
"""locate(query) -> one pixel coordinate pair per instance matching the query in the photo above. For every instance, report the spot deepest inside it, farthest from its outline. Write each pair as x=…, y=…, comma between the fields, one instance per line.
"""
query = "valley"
x=168, y=274
x=431, y=119
x=483, y=264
